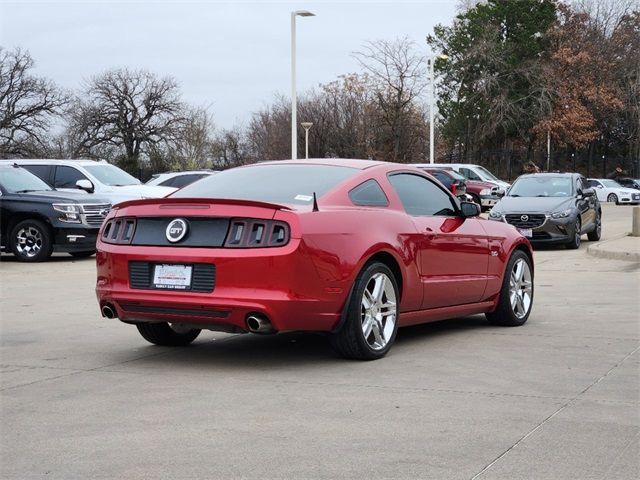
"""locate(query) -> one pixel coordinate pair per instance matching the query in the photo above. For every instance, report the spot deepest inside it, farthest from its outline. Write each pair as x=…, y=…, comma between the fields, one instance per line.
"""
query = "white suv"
x=470, y=171
x=101, y=178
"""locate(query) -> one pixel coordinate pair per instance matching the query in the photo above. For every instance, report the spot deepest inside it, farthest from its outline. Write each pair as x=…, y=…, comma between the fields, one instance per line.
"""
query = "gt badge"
x=176, y=230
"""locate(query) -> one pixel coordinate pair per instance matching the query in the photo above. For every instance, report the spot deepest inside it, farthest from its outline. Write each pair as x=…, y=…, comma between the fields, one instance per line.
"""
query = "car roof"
x=551, y=174
x=334, y=162
x=52, y=161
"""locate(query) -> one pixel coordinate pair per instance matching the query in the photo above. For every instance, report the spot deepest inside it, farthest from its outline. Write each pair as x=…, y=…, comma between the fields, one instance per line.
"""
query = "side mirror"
x=500, y=193
x=588, y=192
x=469, y=209
x=599, y=186
x=86, y=185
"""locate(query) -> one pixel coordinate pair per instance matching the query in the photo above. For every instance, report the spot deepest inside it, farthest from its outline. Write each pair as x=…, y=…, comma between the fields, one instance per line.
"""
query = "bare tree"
x=28, y=104
x=398, y=78
x=129, y=110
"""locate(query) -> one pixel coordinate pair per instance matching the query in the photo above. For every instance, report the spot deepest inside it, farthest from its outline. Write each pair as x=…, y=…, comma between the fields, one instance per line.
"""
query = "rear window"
x=287, y=183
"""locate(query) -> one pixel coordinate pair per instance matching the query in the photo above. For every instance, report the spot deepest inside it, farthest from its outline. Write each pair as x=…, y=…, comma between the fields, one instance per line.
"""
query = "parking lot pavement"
x=85, y=397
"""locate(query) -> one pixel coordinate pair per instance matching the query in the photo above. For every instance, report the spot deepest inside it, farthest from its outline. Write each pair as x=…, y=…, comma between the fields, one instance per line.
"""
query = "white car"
x=611, y=191
x=99, y=178
x=470, y=171
x=179, y=179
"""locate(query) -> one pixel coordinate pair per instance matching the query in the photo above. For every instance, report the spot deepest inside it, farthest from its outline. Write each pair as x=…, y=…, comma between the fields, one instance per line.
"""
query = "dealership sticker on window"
x=303, y=198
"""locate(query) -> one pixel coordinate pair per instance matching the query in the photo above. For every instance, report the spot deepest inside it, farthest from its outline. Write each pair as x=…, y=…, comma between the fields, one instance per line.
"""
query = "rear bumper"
x=280, y=283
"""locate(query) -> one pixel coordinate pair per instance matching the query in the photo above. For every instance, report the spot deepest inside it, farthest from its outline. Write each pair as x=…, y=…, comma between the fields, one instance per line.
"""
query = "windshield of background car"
x=456, y=175
x=18, y=180
x=111, y=175
x=542, y=187
x=487, y=174
x=288, y=184
x=611, y=184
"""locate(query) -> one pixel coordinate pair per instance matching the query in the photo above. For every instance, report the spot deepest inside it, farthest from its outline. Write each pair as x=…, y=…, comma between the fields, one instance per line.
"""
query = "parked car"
x=629, y=182
x=100, y=178
x=611, y=191
x=551, y=208
x=453, y=181
x=484, y=194
x=178, y=179
x=469, y=171
x=36, y=220
x=353, y=248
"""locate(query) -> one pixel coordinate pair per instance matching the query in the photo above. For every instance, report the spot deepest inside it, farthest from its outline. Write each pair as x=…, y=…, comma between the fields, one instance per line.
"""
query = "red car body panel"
x=446, y=266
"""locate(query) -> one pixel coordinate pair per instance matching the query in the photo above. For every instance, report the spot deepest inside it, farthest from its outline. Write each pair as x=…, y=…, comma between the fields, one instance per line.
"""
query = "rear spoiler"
x=168, y=201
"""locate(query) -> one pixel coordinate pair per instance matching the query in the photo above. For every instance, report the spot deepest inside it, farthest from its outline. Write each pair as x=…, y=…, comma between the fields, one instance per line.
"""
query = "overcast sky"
x=230, y=57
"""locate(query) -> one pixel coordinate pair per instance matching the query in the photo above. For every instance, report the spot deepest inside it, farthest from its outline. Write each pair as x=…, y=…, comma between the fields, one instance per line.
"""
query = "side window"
x=420, y=196
x=66, y=177
x=470, y=174
x=184, y=180
x=593, y=183
x=42, y=171
x=369, y=194
x=444, y=179
x=167, y=183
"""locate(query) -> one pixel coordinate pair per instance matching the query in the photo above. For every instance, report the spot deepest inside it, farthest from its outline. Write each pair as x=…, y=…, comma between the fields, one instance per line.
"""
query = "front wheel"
x=594, y=235
x=30, y=241
x=516, y=294
x=574, y=243
x=371, y=321
x=613, y=198
x=167, y=335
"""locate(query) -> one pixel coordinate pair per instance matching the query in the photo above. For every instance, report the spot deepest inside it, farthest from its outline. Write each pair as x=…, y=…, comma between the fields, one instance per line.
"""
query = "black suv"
x=551, y=208
x=36, y=220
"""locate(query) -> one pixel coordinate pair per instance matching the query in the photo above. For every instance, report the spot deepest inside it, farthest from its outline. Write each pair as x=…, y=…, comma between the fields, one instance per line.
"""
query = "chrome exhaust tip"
x=108, y=311
x=257, y=323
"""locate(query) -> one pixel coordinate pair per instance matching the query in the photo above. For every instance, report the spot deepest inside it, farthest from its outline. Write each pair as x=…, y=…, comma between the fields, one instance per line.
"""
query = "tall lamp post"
x=432, y=100
x=306, y=126
x=294, y=122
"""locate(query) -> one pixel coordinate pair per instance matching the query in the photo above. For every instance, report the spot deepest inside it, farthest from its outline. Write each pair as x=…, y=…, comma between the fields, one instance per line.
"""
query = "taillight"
x=454, y=188
x=119, y=231
x=256, y=233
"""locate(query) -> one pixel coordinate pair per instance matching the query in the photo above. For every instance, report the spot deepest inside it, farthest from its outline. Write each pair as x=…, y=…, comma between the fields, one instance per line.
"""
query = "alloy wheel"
x=28, y=242
x=520, y=288
x=379, y=311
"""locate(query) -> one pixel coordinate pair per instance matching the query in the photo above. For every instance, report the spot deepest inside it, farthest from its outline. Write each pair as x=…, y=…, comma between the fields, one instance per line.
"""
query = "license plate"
x=526, y=232
x=174, y=277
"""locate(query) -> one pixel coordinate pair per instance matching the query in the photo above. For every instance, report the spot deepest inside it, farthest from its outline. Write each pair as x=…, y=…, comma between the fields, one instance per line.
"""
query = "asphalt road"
x=84, y=397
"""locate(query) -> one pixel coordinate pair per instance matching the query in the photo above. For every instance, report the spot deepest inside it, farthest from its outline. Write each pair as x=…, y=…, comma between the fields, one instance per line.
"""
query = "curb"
x=599, y=250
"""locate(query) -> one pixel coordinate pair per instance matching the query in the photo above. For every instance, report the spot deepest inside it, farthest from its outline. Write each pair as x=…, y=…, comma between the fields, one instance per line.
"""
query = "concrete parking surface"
x=559, y=398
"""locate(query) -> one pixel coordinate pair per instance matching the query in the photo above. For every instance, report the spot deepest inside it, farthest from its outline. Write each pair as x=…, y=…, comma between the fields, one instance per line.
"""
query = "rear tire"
x=371, y=317
x=162, y=334
x=516, y=295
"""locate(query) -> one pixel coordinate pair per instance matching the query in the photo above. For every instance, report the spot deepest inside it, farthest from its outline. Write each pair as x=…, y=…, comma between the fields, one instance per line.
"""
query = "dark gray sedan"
x=556, y=208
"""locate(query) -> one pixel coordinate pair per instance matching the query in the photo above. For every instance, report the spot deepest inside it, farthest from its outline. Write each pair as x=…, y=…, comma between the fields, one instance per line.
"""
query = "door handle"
x=429, y=233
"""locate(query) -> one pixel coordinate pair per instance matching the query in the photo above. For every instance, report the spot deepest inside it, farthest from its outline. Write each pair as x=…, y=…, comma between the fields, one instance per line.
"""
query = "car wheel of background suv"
x=165, y=335
x=516, y=294
x=30, y=241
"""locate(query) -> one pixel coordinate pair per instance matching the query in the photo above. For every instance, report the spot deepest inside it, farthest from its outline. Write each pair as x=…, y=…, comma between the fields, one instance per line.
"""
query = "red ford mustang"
x=354, y=248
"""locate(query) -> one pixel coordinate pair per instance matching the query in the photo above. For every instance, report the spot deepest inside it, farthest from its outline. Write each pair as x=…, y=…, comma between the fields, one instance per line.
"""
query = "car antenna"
x=315, y=203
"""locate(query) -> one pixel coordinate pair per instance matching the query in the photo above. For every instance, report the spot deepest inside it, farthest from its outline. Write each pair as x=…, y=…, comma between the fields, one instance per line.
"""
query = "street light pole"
x=294, y=100
x=432, y=96
x=306, y=126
